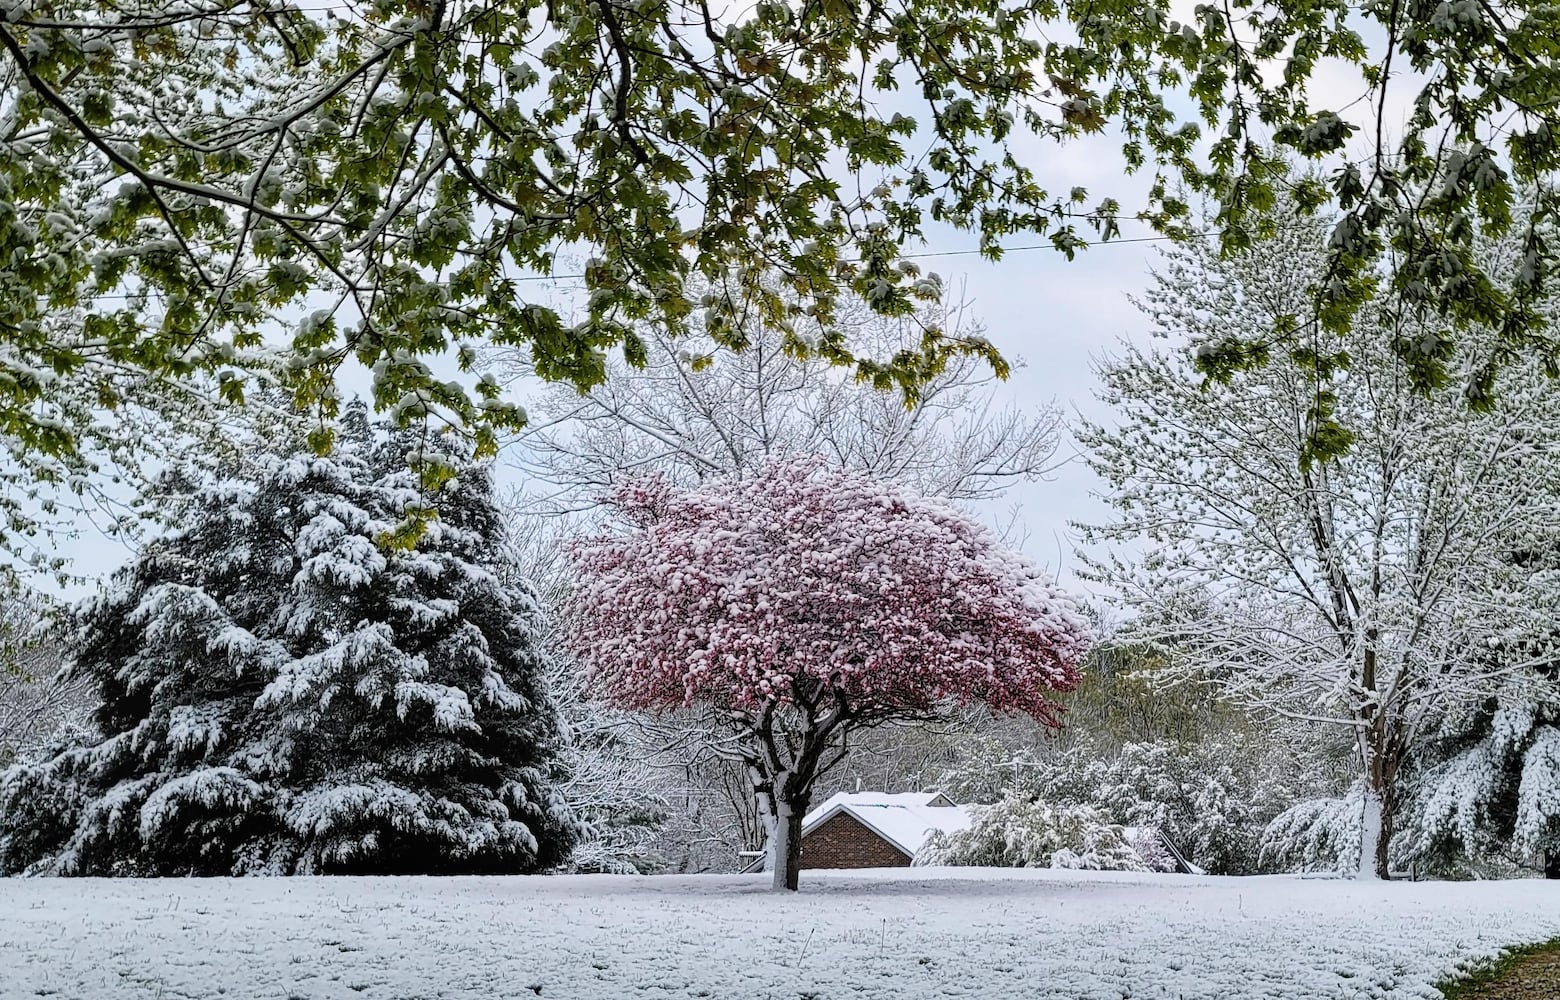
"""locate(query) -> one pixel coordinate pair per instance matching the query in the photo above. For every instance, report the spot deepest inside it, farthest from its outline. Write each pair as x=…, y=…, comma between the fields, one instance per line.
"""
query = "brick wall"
x=841, y=841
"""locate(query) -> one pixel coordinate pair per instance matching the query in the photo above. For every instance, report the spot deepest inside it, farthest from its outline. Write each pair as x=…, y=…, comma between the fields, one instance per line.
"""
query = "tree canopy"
x=1346, y=590
x=818, y=588
x=384, y=176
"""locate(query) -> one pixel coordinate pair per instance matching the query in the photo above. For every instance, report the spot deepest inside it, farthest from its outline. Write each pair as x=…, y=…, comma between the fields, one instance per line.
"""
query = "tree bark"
x=783, y=774
x=1376, y=835
x=764, y=805
x=780, y=852
x=788, y=848
x=785, y=803
x=1381, y=749
x=1388, y=828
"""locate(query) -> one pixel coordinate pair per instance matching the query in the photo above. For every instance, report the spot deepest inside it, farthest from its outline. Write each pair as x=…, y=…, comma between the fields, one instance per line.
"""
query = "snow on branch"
x=821, y=589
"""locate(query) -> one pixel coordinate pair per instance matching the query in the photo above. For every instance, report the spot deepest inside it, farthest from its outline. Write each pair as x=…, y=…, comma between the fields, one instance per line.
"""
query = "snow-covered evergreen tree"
x=1487, y=795
x=283, y=692
x=1322, y=835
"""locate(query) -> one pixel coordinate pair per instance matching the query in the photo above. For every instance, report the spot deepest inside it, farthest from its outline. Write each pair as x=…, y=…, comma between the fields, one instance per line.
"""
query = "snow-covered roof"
x=879, y=799
x=904, y=819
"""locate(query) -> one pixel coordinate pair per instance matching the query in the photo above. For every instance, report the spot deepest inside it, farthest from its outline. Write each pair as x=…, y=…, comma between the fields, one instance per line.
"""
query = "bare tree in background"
x=695, y=410
x=613, y=782
x=34, y=703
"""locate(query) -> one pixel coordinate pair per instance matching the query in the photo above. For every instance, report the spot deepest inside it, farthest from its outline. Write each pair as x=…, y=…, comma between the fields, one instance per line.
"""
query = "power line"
x=922, y=255
x=955, y=253
x=1047, y=246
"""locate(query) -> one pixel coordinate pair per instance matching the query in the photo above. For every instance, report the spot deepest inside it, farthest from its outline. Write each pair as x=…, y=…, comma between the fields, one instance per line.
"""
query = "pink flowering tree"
x=801, y=604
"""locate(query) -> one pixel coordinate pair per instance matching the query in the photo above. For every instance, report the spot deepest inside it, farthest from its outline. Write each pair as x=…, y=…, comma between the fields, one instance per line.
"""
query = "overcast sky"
x=1055, y=316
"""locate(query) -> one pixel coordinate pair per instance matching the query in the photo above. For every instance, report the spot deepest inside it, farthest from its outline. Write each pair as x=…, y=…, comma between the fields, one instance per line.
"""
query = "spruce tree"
x=286, y=690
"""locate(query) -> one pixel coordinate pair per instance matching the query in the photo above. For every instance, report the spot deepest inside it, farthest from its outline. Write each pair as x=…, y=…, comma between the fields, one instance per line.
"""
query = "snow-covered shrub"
x=1316, y=835
x=1211, y=798
x=281, y=692
x=1151, y=850
x=1019, y=832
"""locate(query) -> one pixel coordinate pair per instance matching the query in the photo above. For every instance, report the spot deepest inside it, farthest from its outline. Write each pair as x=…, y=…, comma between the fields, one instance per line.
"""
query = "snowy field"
x=905, y=935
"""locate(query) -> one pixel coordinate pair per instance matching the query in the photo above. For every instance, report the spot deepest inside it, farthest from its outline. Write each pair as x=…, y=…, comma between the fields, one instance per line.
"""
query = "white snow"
x=908, y=934
x=1370, y=833
x=874, y=799
x=904, y=819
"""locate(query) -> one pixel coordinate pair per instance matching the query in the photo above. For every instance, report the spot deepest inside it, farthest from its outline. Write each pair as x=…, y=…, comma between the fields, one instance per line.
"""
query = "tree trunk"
x=791, y=798
x=783, y=784
x=763, y=804
x=1376, y=834
x=780, y=848
x=1380, y=752
x=1384, y=840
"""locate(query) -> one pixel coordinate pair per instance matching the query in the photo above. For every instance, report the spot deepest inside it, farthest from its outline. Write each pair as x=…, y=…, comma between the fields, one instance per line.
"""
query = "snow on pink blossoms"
x=801, y=603
x=733, y=593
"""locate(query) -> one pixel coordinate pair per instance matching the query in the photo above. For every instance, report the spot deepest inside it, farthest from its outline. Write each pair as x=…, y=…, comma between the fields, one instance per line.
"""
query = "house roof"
x=904, y=819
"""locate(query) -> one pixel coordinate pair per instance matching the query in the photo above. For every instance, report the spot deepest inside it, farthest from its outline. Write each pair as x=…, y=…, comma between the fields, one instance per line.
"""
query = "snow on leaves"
x=1538, y=807
x=1355, y=589
x=1020, y=832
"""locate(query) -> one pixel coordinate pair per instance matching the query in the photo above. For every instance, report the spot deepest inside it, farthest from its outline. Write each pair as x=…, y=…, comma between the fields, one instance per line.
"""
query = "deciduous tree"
x=693, y=410
x=1347, y=587
x=174, y=177
x=802, y=604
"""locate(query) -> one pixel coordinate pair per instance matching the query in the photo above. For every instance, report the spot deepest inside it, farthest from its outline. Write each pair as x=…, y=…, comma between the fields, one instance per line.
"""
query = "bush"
x=1212, y=798
x=1022, y=833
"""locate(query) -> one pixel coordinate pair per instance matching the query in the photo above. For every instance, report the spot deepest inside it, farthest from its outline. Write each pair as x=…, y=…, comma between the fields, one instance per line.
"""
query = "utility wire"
x=922, y=255
x=947, y=253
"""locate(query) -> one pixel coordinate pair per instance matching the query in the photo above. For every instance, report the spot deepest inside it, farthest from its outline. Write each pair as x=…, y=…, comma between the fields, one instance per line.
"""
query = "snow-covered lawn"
x=894, y=935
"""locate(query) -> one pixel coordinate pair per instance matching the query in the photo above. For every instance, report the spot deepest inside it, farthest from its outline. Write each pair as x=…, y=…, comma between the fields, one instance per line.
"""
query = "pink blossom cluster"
x=804, y=582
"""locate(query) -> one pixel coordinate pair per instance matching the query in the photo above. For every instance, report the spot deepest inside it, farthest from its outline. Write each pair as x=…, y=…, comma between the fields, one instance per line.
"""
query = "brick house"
x=875, y=829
